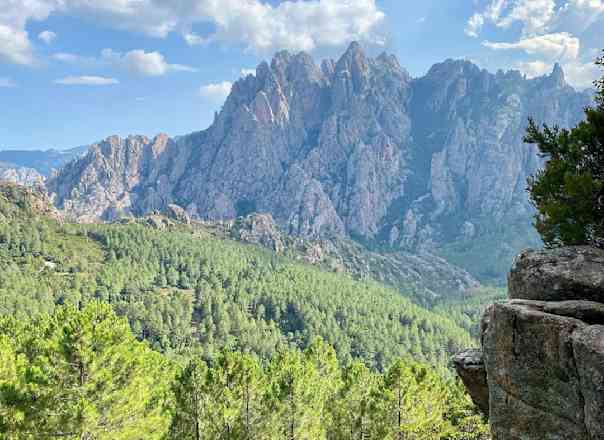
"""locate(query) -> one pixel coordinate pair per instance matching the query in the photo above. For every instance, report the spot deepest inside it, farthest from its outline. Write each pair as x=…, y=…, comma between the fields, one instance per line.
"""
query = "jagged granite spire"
x=354, y=147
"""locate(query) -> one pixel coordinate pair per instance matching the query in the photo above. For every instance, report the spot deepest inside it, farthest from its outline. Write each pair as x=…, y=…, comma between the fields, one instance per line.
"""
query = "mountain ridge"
x=352, y=147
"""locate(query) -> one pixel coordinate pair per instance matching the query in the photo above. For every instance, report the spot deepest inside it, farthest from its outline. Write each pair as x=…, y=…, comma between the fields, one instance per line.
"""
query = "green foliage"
x=489, y=255
x=179, y=288
x=467, y=311
x=308, y=396
x=80, y=374
x=272, y=349
x=569, y=192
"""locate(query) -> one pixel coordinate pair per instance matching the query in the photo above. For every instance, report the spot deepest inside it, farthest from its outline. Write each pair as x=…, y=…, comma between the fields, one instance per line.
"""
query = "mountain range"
x=354, y=148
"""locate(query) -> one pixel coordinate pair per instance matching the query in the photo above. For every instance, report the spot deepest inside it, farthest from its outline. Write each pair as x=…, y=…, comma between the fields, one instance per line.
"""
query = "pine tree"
x=190, y=402
x=569, y=192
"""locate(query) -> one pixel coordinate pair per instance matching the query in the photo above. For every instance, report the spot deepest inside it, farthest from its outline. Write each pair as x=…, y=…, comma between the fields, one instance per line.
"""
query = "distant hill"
x=43, y=161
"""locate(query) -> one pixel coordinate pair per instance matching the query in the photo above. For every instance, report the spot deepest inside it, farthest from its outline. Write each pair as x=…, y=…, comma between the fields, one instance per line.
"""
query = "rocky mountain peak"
x=557, y=77
x=351, y=147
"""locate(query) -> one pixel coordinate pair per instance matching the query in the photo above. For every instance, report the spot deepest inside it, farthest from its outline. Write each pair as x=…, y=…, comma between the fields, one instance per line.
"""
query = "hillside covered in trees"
x=138, y=331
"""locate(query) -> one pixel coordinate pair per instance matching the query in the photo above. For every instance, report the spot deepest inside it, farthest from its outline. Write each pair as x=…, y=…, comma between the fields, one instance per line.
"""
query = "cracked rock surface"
x=543, y=359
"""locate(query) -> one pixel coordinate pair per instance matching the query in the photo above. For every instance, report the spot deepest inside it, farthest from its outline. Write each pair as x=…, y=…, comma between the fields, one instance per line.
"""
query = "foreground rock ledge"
x=540, y=374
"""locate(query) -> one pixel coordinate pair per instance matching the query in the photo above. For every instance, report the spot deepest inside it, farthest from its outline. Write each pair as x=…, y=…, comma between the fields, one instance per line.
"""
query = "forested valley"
x=127, y=331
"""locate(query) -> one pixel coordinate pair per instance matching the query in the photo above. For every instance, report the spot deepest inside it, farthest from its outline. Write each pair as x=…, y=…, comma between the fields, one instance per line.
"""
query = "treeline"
x=81, y=374
x=180, y=288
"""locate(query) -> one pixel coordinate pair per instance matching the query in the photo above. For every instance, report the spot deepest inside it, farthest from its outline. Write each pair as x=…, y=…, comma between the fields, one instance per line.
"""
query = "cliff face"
x=541, y=371
x=354, y=147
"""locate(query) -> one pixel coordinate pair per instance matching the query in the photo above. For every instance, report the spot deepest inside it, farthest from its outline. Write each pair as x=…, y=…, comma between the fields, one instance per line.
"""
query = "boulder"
x=569, y=273
x=543, y=351
x=470, y=367
x=259, y=229
x=177, y=213
x=534, y=387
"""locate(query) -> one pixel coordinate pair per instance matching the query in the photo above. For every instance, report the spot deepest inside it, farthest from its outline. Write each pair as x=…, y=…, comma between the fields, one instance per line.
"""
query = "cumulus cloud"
x=216, y=93
x=15, y=46
x=550, y=31
x=559, y=46
x=86, y=81
x=534, y=15
x=6, y=82
x=255, y=24
x=474, y=25
x=47, y=36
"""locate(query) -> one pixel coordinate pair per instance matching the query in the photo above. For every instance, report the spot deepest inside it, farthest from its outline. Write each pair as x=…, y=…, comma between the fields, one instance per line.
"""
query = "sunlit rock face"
x=351, y=147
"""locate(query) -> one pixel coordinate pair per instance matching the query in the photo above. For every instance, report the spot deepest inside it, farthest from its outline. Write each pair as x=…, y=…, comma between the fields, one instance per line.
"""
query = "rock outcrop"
x=259, y=229
x=20, y=175
x=543, y=350
x=354, y=147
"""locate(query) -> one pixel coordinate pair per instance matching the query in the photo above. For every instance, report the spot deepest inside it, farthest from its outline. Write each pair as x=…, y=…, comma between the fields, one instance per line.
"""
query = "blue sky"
x=75, y=71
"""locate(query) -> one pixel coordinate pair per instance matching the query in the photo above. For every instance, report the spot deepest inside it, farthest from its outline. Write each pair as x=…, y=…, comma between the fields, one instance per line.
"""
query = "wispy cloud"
x=86, y=81
x=136, y=61
x=559, y=46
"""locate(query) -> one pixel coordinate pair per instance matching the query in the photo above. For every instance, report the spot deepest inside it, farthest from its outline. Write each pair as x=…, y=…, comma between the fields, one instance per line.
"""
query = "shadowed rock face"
x=353, y=147
x=470, y=367
x=544, y=360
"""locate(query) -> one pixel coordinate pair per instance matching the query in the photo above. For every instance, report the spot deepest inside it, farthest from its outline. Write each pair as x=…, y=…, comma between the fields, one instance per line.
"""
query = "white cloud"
x=136, y=61
x=533, y=69
x=47, y=36
x=580, y=15
x=86, y=81
x=578, y=74
x=15, y=46
x=535, y=15
x=6, y=82
x=192, y=39
x=72, y=58
x=255, y=24
x=292, y=25
x=474, y=25
x=559, y=46
x=216, y=93
x=582, y=75
x=143, y=63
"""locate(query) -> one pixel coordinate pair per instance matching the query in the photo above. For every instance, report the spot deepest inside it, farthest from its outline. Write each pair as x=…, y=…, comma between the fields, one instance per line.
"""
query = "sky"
x=73, y=72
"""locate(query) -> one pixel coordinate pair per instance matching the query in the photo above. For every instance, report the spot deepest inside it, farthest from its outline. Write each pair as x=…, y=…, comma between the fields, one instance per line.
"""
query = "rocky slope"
x=354, y=147
x=20, y=175
x=425, y=277
x=540, y=374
